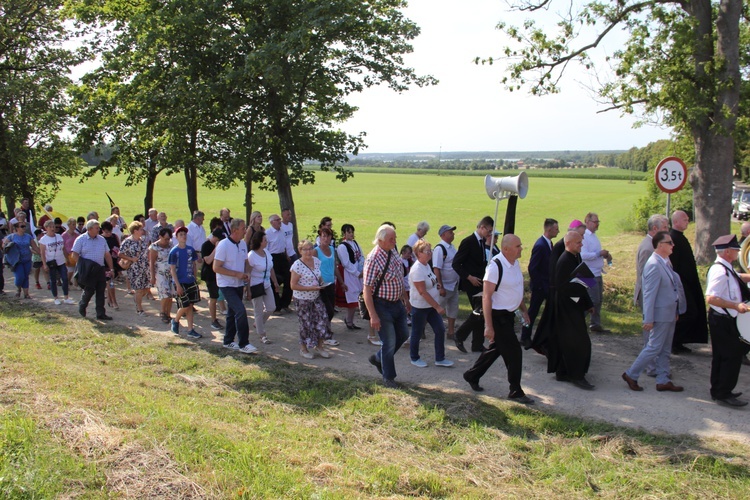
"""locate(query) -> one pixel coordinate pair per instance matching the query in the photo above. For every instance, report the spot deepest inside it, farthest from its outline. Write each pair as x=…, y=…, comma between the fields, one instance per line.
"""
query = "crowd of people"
x=399, y=291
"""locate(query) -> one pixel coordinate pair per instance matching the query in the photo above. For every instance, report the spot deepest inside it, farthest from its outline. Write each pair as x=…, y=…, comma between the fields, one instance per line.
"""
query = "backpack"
x=499, y=273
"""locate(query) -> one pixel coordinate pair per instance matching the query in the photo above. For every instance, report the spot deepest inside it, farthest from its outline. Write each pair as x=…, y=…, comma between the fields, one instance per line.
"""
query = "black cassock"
x=565, y=336
x=692, y=326
x=541, y=334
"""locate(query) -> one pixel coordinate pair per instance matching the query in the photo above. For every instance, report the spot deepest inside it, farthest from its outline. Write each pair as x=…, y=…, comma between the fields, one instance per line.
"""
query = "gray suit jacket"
x=663, y=295
x=645, y=249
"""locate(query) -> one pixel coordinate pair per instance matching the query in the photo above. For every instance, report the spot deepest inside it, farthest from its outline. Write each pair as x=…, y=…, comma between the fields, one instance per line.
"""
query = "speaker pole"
x=510, y=216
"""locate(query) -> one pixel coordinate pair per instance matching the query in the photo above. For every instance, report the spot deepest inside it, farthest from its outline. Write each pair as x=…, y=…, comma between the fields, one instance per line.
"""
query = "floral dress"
x=311, y=311
x=138, y=272
x=164, y=285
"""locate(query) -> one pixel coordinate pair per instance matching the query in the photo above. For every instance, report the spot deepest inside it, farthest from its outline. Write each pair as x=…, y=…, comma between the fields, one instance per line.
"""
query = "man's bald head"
x=573, y=242
x=680, y=220
x=745, y=229
x=511, y=247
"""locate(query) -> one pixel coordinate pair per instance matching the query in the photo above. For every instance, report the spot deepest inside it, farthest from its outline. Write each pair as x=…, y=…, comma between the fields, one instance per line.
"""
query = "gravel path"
x=691, y=412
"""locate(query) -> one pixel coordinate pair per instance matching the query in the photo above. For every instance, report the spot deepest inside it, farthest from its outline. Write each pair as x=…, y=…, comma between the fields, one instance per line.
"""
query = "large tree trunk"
x=6, y=188
x=714, y=142
x=191, y=174
x=148, y=200
x=248, y=191
x=284, y=188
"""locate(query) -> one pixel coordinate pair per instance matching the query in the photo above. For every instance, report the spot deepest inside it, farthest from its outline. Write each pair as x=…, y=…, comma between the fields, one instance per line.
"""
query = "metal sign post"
x=670, y=176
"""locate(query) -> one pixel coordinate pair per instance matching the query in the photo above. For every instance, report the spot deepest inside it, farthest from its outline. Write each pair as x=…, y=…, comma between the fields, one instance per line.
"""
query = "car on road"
x=741, y=208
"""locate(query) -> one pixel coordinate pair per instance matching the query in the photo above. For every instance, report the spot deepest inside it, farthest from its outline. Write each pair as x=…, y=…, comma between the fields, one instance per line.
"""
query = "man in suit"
x=470, y=262
x=663, y=302
x=226, y=219
x=539, y=275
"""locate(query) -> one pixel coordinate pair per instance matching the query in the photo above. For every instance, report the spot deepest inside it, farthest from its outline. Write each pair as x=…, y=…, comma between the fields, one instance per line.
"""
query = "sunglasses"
x=21, y=227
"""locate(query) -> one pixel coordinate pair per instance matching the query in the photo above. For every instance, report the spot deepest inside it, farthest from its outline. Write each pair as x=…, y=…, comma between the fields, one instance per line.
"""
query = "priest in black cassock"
x=569, y=345
x=692, y=327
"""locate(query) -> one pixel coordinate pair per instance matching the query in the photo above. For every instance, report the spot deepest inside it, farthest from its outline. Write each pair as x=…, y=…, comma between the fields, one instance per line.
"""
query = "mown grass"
x=140, y=414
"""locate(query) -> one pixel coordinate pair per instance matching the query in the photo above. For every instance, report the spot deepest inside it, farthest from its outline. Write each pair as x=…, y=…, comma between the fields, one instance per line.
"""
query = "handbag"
x=124, y=264
x=363, y=312
x=258, y=290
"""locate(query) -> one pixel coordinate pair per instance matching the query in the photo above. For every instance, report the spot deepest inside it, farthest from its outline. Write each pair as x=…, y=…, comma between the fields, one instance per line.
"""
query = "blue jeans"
x=657, y=351
x=22, y=271
x=393, y=333
x=56, y=271
x=418, y=318
x=236, y=316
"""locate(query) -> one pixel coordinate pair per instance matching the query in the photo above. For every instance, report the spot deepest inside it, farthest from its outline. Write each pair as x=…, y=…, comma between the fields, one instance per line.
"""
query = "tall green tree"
x=34, y=154
x=680, y=66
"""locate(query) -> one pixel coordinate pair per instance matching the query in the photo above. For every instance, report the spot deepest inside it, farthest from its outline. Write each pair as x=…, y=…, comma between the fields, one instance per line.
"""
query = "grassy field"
x=99, y=411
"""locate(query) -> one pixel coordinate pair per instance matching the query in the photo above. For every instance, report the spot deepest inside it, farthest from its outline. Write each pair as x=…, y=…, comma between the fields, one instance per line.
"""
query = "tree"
x=680, y=66
x=34, y=155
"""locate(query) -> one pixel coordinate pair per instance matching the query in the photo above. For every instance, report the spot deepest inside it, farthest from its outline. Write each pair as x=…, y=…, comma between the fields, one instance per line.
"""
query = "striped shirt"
x=392, y=287
x=91, y=248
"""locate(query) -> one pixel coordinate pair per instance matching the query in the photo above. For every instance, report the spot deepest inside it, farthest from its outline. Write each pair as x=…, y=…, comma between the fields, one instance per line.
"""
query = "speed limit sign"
x=670, y=174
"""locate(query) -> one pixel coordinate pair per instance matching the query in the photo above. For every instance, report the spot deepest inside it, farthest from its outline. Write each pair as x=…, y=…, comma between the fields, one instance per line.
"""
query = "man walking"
x=230, y=259
x=91, y=252
x=197, y=233
x=663, y=301
x=470, y=262
x=502, y=295
x=593, y=256
x=385, y=298
x=281, y=262
x=539, y=276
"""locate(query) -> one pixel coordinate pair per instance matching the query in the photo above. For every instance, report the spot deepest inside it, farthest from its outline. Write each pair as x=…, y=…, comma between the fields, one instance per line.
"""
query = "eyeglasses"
x=307, y=248
x=21, y=227
x=670, y=242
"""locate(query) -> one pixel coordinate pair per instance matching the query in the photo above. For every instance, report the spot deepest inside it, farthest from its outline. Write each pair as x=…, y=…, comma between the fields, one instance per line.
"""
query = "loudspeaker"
x=499, y=188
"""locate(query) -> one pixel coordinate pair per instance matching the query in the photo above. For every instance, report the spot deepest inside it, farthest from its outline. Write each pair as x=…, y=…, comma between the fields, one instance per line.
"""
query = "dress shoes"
x=104, y=317
x=82, y=311
x=599, y=329
x=460, y=346
x=633, y=384
x=735, y=394
x=391, y=384
x=731, y=402
x=584, y=384
x=526, y=342
x=681, y=349
x=474, y=385
x=481, y=349
x=669, y=386
x=521, y=398
x=377, y=364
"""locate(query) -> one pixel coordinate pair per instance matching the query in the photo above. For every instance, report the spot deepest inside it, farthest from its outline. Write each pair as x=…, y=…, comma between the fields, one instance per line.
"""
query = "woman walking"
x=134, y=249
x=52, y=249
x=161, y=275
x=306, y=283
x=25, y=246
x=262, y=278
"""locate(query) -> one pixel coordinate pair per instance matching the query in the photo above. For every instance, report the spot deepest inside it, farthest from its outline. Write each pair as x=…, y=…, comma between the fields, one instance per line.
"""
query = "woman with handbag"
x=262, y=278
x=25, y=245
x=52, y=249
x=306, y=283
x=134, y=260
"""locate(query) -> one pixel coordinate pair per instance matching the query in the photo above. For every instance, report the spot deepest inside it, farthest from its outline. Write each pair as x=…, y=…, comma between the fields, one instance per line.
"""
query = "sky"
x=470, y=110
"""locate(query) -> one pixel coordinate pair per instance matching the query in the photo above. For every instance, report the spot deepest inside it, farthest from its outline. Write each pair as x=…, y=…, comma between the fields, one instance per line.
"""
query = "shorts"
x=213, y=288
x=450, y=303
x=191, y=295
x=36, y=265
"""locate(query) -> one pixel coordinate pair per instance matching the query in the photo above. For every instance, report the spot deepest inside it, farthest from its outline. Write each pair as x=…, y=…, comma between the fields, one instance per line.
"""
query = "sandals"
x=306, y=354
x=352, y=326
x=322, y=353
x=265, y=340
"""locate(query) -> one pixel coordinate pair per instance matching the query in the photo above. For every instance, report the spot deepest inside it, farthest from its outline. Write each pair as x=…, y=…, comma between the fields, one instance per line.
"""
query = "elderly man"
x=229, y=264
x=225, y=216
x=162, y=223
x=470, y=262
x=151, y=221
x=91, y=252
x=197, y=233
x=726, y=294
x=593, y=255
x=663, y=301
x=692, y=326
x=385, y=296
x=288, y=229
x=502, y=295
x=281, y=255
x=744, y=231
x=539, y=276
x=569, y=346
x=422, y=229
x=447, y=278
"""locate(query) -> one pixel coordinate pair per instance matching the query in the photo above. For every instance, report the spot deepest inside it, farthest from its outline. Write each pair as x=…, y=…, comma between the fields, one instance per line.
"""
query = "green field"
x=368, y=199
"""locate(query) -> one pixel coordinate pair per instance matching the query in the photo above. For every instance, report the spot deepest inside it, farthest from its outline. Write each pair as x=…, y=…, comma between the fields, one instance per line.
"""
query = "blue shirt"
x=326, y=265
x=91, y=248
x=24, y=246
x=183, y=259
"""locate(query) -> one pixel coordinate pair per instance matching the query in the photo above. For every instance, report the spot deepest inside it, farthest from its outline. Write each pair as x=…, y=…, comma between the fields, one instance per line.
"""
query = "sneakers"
x=69, y=301
x=38, y=286
x=444, y=362
x=233, y=346
x=216, y=325
x=248, y=349
x=419, y=363
x=174, y=327
x=58, y=302
x=194, y=335
x=331, y=342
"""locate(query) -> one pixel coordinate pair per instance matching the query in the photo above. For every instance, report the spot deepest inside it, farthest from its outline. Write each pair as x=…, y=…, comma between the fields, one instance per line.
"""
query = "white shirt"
x=413, y=239
x=591, y=253
x=509, y=294
x=422, y=272
x=447, y=273
x=720, y=283
x=53, y=248
x=260, y=268
x=276, y=241
x=196, y=236
x=288, y=230
x=234, y=256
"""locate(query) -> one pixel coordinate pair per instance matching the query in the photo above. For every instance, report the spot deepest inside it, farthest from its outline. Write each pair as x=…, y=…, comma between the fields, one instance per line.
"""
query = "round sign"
x=670, y=174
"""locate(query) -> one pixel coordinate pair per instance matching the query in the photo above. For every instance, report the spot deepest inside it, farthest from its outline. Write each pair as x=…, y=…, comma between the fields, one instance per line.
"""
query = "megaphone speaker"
x=499, y=188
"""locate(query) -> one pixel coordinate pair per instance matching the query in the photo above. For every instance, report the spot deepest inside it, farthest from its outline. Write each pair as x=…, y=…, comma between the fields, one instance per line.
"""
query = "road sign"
x=670, y=174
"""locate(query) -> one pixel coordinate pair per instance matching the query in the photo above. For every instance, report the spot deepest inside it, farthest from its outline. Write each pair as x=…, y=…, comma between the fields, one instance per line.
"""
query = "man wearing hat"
x=447, y=278
x=727, y=295
x=539, y=275
x=663, y=302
